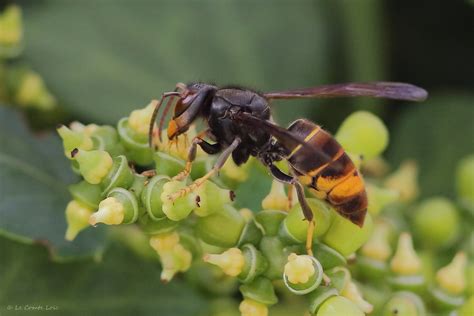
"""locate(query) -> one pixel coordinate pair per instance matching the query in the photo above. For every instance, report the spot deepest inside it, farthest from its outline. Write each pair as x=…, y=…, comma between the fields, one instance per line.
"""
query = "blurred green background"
x=102, y=59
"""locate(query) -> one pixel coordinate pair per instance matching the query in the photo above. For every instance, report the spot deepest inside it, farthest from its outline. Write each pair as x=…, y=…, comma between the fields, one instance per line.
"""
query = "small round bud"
x=319, y=296
x=405, y=181
x=222, y=228
x=180, y=208
x=363, y=133
x=465, y=182
x=250, y=307
x=294, y=227
x=212, y=198
x=436, y=222
x=404, y=304
x=94, y=165
x=77, y=218
x=346, y=237
x=339, y=305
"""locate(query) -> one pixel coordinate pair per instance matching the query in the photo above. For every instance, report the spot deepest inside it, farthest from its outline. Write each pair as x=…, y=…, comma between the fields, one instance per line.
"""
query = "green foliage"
x=34, y=177
x=127, y=54
x=437, y=134
x=88, y=287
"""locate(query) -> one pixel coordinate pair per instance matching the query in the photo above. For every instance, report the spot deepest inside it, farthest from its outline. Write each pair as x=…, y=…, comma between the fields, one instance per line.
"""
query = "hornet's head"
x=193, y=98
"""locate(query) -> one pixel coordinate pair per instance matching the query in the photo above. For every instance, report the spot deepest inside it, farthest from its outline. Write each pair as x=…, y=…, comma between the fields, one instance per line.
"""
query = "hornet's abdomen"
x=327, y=171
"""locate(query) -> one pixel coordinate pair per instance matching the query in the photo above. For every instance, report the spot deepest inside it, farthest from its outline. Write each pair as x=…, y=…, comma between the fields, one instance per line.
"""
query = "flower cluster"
x=204, y=234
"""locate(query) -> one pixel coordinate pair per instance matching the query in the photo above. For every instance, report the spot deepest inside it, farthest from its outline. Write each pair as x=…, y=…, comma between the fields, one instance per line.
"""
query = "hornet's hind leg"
x=307, y=212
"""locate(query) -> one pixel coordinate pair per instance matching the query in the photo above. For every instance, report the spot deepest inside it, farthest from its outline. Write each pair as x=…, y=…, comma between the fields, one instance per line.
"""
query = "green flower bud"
x=273, y=250
x=31, y=91
x=231, y=261
x=406, y=266
x=167, y=164
x=212, y=198
x=135, y=143
x=255, y=264
x=328, y=257
x=73, y=139
x=210, y=279
x=106, y=138
x=249, y=307
x=86, y=193
x=294, y=228
x=155, y=227
x=180, y=208
x=340, y=277
x=444, y=301
x=319, y=296
x=452, y=278
x=375, y=252
x=379, y=198
x=11, y=31
x=151, y=197
x=436, y=222
x=465, y=182
x=470, y=278
x=302, y=274
x=363, y=133
x=77, y=218
x=404, y=304
x=467, y=308
x=352, y=292
x=173, y=256
x=233, y=174
x=94, y=165
x=138, y=184
x=339, y=305
x=346, y=237
x=405, y=181
x=276, y=199
x=252, y=233
x=120, y=175
x=222, y=229
x=260, y=290
x=270, y=221
x=120, y=207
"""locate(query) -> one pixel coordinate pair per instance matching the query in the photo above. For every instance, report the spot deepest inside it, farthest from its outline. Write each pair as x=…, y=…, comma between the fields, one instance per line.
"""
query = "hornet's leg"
x=208, y=148
x=217, y=166
x=307, y=212
x=290, y=197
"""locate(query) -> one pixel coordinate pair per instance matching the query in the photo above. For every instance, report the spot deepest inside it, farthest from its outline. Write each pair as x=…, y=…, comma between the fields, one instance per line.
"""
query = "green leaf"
x=436, y=133
x=106, y=58
x=33, y=190
x=121, y=284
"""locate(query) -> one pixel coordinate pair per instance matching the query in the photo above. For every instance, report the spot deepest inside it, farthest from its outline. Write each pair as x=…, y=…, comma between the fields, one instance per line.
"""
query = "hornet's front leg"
x=217, y=166
x=207, y=147
x=307, y=212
